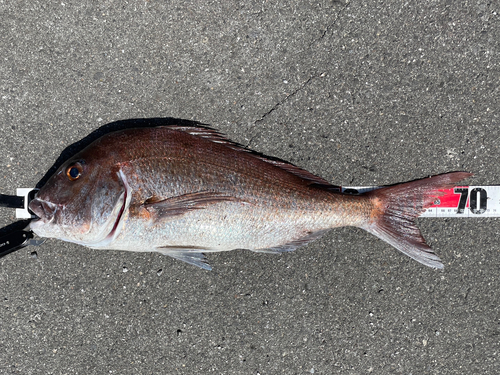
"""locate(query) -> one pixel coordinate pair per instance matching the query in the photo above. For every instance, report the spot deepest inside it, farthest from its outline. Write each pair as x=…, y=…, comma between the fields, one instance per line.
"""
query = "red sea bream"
x=187, y=191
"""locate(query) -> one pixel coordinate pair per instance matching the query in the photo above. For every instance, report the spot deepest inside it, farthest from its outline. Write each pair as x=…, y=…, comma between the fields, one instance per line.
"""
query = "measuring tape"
x=466, y=201
x=459, y=201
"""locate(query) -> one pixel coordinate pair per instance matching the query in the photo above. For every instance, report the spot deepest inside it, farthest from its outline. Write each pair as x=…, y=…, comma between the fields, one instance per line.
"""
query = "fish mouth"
x=44, y=210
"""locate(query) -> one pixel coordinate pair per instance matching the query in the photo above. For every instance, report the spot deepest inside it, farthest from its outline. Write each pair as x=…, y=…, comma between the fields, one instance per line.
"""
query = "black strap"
x=11, y=201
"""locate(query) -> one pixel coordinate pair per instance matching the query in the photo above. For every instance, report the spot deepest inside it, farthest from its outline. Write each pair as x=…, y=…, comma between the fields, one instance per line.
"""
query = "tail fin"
x=397, y=207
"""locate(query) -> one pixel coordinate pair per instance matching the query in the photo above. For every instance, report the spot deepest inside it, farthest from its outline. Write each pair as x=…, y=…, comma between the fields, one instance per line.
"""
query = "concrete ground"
x=358, y=92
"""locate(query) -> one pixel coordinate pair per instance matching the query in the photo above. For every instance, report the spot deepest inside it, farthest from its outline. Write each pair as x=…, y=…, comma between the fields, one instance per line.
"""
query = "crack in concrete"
x=330, y=26
x=305, y=83
x=293, y=93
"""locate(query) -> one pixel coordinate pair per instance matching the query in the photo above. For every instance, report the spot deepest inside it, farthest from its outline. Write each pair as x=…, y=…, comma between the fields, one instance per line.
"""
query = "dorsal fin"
x=217, y=137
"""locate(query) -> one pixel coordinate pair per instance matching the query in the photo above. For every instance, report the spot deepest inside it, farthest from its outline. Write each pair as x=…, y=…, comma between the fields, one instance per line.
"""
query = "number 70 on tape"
x=466, y=201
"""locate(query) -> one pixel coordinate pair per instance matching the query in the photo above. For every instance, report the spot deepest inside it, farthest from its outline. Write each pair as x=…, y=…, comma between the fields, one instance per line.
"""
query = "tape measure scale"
x=466, y=201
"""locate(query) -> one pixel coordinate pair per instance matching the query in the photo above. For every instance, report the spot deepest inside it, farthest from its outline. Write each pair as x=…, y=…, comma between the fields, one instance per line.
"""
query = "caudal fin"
x=397, y=207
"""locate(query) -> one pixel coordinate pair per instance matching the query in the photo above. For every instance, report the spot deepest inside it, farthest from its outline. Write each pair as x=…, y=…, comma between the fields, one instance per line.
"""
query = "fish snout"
x=43, y=209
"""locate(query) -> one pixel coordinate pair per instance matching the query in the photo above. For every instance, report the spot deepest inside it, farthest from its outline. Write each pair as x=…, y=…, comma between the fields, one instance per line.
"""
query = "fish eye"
x=74, y=171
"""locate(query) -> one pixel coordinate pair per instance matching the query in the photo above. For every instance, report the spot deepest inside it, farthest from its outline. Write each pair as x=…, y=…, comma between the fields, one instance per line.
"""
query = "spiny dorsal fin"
x=217, y=137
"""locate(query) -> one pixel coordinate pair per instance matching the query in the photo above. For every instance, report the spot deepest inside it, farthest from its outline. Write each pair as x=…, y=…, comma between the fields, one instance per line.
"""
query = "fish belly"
x=229, y=225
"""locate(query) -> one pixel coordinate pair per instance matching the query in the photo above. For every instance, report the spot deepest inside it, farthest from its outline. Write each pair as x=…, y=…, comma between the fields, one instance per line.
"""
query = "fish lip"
x=44, y=210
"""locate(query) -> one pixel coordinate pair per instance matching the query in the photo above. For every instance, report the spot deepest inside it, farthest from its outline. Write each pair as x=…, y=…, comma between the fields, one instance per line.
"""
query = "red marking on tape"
x=447, y=198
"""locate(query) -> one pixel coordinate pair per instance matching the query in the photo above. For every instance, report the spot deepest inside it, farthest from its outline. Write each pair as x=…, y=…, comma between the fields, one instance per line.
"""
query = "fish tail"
x=395, y=209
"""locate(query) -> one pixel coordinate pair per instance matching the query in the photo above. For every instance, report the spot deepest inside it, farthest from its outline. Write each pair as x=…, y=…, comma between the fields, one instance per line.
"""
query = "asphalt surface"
x=358, y=92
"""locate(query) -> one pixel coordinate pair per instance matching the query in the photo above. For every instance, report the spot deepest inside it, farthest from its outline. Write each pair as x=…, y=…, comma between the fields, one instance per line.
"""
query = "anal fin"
x=291, y=246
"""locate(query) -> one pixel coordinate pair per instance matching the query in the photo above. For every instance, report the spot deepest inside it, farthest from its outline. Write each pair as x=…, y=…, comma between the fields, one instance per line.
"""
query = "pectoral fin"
x=174, y=206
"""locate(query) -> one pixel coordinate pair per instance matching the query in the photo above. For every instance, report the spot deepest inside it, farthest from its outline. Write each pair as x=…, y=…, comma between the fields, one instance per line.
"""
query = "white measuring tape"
x=459, y=201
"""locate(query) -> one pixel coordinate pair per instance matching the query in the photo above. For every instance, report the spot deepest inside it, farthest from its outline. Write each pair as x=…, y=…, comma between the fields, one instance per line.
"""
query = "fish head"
x=83, y=202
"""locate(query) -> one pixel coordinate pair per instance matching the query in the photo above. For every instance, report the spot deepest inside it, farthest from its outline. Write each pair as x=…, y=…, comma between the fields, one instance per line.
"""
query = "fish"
x=187, y=191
